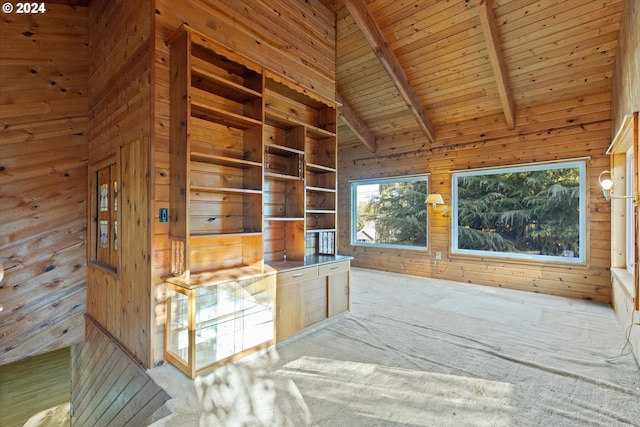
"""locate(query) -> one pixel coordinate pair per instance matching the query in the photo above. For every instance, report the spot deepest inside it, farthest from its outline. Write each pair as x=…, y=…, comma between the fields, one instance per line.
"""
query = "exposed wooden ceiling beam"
x=353, y=121
x=487, y=22
x=373, y=35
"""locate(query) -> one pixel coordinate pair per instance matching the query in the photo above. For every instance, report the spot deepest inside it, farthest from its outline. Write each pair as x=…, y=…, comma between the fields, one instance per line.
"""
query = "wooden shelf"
x=282, y=218
x=321, y=189
x=205, y=189
x=224, y=161
x=317, y=132
x=282, y=177
x=201, y=110
x=281, y=150
x=225, y=88
x=195, y=236
x=275, y=118
x=312, y=167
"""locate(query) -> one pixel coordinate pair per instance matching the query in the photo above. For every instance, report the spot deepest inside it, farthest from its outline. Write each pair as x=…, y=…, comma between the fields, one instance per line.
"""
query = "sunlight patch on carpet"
x=490, y=308
x=389, y=395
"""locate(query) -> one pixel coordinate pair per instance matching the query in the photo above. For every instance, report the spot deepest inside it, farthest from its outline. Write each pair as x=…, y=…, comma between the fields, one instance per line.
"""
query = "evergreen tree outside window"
x=390, y=212
x=535, y=212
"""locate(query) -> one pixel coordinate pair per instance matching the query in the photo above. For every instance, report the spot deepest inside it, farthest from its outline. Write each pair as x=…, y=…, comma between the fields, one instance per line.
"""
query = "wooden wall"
x=293, y=37
x=43, y=171
x=109, y=386
x=626, y=100
x=121, y=114
x=625, y=88
x=570, y=129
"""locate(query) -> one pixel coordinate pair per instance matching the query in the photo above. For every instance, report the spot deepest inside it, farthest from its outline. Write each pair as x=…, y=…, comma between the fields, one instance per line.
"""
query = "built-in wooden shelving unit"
x=253, y=183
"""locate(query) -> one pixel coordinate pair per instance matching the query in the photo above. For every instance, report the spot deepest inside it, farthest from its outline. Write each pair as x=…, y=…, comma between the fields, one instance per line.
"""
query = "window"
x=104, y=202
x=629, y=212
x=390, y=212
x=534, y=212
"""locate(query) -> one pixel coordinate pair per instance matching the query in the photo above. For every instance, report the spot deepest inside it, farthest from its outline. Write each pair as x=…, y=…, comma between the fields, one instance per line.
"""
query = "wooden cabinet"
x=253, y=182
x=210, y=321
x=337, y=274
x=306, y=296
x=290, y=302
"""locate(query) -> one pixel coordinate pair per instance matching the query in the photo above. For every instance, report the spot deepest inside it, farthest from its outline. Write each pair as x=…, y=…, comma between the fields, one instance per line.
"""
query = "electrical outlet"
x=438, y=256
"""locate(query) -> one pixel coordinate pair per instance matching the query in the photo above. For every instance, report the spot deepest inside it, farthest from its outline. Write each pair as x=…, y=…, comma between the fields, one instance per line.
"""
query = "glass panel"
x=232, y=317
x=103, y=234
x=179, y=326
x=527, y=212
x=390, y=212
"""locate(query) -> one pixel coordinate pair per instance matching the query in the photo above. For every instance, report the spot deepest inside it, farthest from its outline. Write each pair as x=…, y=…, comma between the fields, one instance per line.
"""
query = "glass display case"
x=213, y=322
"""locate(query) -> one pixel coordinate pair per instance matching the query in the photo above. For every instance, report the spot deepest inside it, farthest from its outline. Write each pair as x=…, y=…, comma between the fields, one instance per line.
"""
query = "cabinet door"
x=338, y=293
x=290, y=310
x=315, y=300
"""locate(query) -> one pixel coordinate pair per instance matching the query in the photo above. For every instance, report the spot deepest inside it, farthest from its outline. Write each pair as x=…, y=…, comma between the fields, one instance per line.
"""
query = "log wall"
x=562, y=130
x=295, y=38
x=43, y=172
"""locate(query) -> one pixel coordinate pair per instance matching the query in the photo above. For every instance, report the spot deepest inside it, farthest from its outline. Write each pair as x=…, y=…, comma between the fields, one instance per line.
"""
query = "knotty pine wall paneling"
x=625, y=100
x=563, y=130
x=626, y=76
x=121, y=115
x=44, y=131
x=293, y=38
x=109, y=388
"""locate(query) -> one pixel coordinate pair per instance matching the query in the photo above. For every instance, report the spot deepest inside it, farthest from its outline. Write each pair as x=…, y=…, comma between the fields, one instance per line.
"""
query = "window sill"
x=625, y=279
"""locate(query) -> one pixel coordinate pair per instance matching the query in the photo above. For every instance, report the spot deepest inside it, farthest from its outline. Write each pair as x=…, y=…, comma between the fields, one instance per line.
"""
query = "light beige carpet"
x=423, y=352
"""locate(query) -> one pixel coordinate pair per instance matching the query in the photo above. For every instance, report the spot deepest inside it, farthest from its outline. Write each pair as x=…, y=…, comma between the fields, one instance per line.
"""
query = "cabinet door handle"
x=335, y=267
x=297, y=274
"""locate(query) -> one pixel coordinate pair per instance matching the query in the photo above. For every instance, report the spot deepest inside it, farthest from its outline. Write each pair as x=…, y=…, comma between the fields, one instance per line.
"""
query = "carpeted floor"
x=424, y=352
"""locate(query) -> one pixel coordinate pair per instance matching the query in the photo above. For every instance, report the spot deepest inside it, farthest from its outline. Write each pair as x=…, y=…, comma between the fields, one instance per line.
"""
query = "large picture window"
x=534, y=212
x=390, y=212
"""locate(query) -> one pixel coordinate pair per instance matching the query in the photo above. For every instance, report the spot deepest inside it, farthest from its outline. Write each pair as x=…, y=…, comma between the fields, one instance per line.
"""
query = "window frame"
x=560, y=164
x=375, y=181
x=109, y=257
x=630, y=233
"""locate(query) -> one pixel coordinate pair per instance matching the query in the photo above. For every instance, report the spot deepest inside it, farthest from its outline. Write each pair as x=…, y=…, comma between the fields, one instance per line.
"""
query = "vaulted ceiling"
x=407, y=66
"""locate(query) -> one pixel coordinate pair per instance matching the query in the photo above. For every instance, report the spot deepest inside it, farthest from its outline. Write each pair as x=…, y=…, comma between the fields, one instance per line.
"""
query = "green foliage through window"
x=390, y=212
x=534, y=211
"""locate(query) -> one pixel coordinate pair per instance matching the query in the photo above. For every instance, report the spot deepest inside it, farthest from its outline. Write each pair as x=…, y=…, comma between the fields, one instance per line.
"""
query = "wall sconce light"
x=435, y=199
x=606, y=182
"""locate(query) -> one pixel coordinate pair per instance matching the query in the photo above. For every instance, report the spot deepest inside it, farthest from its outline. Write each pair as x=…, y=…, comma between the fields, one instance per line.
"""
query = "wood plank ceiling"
x=461, y=60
